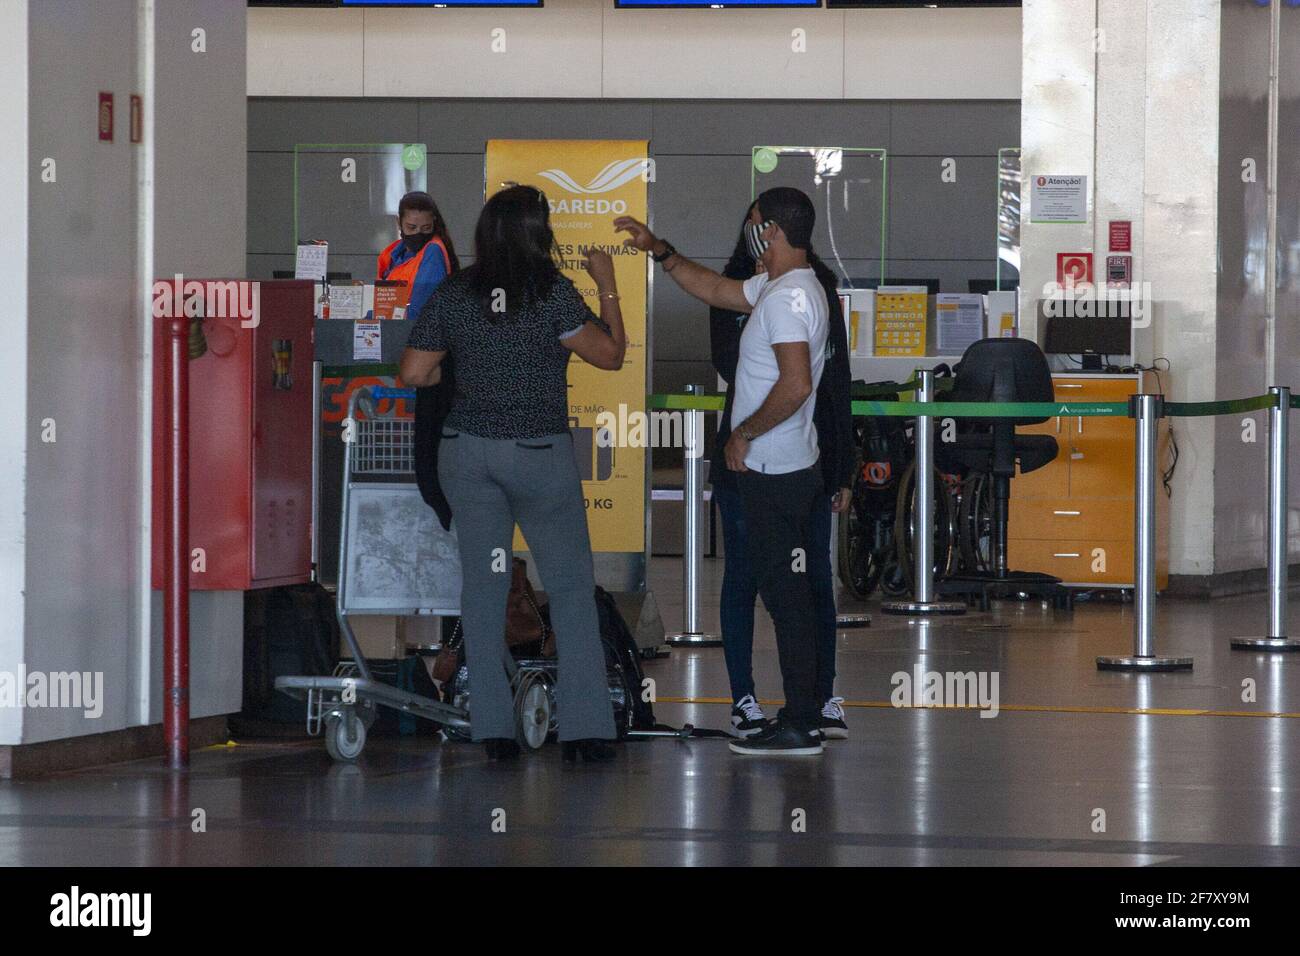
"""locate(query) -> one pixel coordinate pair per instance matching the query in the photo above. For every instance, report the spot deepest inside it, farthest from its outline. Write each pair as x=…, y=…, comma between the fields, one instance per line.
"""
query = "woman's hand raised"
x=601, y=268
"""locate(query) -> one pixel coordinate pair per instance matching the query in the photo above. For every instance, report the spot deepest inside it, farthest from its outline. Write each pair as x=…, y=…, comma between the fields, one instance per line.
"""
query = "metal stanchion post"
x=923, y=601
x=692, y=545
x=1278, y=439
x=1144, y=656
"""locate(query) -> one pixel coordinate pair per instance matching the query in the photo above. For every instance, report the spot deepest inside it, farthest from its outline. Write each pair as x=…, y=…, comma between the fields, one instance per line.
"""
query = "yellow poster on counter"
x=901, y=313
x=588, y=183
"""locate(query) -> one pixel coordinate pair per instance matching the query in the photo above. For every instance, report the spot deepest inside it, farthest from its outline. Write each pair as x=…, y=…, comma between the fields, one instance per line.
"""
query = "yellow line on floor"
x=1025, y=708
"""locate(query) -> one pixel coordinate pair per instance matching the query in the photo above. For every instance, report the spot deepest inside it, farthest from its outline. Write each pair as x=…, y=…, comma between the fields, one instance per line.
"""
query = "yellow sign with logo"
x=589, y=183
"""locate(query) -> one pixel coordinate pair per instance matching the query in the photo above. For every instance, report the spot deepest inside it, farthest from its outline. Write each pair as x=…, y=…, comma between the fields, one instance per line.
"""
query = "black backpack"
x=622, y=656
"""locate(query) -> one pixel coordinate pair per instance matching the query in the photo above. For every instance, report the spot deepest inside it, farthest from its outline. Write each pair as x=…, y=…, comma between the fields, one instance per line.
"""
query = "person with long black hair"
x=511, y=321
x=834, y=422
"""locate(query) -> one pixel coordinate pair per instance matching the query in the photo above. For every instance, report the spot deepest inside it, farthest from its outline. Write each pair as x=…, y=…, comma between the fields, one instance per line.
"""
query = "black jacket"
x=832, y=415
x=432, y=405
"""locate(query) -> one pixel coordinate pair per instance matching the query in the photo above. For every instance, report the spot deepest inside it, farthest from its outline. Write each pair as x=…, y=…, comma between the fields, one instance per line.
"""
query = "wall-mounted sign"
x=1121, y=235
x=105, y=117
x=1058, y=198
x=1073, y=268
x=1119, y=272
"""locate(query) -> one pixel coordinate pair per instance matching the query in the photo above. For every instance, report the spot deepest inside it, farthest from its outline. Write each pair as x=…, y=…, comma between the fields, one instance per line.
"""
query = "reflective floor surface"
x=1078, y=767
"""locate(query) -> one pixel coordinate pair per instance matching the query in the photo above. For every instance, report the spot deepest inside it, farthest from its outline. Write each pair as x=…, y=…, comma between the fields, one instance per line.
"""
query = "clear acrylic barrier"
x=847, y=185
x=347, y=193
x=1008, y=217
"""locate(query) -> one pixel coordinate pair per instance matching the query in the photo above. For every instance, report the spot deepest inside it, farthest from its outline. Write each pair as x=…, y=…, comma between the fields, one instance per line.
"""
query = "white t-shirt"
x=791, y=308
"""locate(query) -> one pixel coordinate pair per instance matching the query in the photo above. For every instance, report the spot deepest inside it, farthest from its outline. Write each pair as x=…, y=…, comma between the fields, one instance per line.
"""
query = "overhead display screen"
x=909, y=4
x=440, y=3
x=394, y=3
x=681, y=4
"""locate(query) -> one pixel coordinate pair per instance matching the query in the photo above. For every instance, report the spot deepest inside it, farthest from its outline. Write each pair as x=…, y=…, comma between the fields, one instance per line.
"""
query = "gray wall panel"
x=681, y=323
x=710, y=126
x=361, y=266
x=977, y=127
x=278, y=124
x=456, y=183
x=270, y=202
x=465, y=125
x=933, y=219
x=951, y=273
x=698, y=202
x=262, y=265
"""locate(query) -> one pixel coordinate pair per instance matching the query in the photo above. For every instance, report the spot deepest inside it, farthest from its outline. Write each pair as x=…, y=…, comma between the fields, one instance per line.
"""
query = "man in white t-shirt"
x=773, y=443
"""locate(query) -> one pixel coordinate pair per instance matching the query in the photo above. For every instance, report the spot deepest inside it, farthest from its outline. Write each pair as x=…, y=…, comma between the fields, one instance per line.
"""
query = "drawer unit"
x=1068, y=519
x=1075, y=514
x=1091, y=563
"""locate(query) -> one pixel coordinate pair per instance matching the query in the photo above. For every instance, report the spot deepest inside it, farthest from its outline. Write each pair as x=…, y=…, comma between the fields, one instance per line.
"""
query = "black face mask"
x=416, y=242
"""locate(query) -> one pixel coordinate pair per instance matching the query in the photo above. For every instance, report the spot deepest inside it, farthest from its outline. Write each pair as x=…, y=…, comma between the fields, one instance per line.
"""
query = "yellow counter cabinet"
x=1074, y=517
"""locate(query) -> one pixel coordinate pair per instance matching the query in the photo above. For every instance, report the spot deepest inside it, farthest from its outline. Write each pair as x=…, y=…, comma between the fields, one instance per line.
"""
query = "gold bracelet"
x=609, y=295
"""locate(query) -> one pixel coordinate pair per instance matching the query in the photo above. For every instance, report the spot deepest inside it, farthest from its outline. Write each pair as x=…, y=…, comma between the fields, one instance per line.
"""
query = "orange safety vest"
x=407, y=271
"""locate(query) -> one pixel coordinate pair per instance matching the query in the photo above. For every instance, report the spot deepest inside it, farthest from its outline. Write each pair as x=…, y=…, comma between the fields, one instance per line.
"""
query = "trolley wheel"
x=533, y=710
x=345, y=736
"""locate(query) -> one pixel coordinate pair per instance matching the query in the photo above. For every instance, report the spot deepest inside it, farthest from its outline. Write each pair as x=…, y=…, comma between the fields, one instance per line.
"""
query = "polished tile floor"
x=1079, y=767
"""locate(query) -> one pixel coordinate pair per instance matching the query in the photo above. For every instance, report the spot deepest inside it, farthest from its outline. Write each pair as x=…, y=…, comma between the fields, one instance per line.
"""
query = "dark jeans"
x=780, y=512
x=740, y=591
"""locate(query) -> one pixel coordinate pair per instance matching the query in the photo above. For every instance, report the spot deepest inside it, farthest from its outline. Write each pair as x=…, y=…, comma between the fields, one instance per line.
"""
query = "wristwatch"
x=668, y=252
x=744, y=433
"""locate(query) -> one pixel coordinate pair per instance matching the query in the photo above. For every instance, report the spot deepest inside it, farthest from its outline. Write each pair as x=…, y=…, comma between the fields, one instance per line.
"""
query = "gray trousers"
x=491, y=484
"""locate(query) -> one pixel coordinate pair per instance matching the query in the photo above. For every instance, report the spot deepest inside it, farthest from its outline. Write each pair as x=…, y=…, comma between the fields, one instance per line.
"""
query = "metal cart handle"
x=383, y=391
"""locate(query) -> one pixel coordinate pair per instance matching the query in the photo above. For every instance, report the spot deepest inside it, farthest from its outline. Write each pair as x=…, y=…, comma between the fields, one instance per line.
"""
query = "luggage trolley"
x=395, y=559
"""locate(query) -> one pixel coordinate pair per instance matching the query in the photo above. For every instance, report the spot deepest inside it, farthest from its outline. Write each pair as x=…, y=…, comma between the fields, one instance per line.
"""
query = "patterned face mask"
x=753, y=238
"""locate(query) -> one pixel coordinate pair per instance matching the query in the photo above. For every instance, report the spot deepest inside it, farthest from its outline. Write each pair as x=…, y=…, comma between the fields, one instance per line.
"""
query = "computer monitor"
x=985, y=286
x=1105, y=331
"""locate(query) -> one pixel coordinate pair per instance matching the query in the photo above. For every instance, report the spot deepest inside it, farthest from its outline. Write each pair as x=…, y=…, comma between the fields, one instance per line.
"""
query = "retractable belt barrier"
x=1146, y=410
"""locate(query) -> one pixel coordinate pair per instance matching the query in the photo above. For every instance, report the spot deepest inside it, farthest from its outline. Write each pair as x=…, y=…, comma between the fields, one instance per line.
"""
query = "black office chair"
x=1000, y=370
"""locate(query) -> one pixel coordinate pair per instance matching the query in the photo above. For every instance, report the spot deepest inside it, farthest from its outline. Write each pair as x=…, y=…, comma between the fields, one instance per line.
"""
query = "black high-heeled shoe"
x=593, y=750
x=501, y=748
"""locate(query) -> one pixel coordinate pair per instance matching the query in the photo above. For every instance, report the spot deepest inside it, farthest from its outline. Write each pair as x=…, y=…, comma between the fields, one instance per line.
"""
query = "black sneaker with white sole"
x=832, y=723
x=780, y=739
x=747, y=717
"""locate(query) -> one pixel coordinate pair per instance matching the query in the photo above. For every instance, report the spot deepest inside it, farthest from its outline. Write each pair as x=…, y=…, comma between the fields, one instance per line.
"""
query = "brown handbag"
x=524, y=624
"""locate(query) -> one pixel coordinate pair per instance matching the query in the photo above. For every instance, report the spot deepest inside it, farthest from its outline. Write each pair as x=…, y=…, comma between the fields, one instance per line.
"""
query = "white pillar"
x=1126, y=92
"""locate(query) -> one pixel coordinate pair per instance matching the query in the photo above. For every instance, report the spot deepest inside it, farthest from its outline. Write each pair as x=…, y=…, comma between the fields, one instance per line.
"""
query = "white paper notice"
x=1002, y=315
x=366, y=342
x=960, y=317
x=1058, y=199
x=312, y=257
x=863, y=304
x=347, y=301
